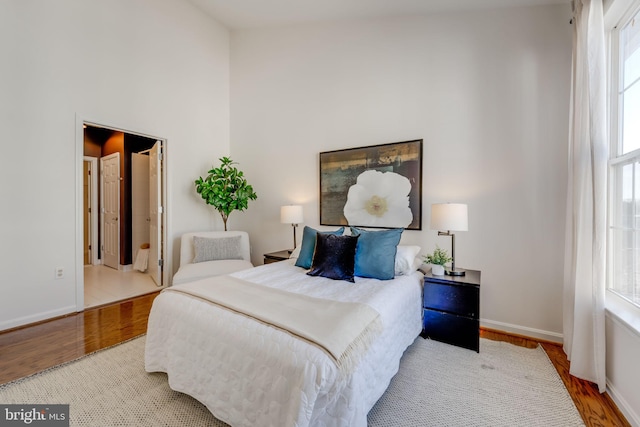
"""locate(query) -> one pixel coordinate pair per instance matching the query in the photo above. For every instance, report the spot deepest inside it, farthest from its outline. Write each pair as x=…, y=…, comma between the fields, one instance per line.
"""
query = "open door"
x=110, y=167
x=155, y=210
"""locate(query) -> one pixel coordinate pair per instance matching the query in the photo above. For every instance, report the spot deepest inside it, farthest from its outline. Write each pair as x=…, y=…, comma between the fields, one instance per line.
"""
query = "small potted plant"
x=437, y=259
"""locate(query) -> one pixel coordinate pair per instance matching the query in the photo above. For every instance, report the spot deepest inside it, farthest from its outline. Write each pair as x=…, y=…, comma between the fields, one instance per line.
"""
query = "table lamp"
x=291, y=214
x=450, y=217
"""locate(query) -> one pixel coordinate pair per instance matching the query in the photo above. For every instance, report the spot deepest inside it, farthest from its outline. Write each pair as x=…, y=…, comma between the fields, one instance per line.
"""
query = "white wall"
x=159, y=67
x=487, y=91
x=623, y=374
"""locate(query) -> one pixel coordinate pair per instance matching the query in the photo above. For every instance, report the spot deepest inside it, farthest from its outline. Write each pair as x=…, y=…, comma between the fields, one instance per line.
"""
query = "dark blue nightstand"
x=451, y=309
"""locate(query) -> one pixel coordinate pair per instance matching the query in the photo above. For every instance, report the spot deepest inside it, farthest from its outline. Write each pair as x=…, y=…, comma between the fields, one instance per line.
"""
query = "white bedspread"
x=343, y=329
x=251, y=374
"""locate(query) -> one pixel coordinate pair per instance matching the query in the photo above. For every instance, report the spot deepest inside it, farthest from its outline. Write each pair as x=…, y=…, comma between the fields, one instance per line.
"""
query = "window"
x=624, y=163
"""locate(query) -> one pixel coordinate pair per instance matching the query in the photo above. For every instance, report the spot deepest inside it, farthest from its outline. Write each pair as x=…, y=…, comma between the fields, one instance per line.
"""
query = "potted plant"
x=226, y=189
x=437, y=259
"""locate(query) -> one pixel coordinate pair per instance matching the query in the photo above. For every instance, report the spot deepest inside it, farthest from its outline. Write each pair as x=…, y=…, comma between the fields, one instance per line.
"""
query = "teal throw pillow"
x=376, y=252
x=308, y=245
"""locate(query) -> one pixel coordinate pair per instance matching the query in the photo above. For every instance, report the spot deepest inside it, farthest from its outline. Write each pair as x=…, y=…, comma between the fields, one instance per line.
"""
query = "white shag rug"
x=437, y=385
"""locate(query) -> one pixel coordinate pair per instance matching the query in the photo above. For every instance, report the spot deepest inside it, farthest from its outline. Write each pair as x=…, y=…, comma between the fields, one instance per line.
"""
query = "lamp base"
x=455, y=272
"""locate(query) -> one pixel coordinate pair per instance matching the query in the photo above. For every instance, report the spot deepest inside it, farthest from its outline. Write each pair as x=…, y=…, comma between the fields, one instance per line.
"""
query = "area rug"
x=437, y=385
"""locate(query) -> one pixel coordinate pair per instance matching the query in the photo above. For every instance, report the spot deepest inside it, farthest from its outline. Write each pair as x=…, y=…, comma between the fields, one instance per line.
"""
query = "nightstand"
x=451, y=309
x=276, y=256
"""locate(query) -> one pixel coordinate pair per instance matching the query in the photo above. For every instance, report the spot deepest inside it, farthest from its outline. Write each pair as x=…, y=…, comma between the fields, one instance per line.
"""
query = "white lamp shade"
x=291, y=214
x=449, y=217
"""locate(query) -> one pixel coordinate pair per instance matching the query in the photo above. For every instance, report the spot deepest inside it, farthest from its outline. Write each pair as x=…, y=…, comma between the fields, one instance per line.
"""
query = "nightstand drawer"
x=276, y=256
x=451, y=329
x=457, y=299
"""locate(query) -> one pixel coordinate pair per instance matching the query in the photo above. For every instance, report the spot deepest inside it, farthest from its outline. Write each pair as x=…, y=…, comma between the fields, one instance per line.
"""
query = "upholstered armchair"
x=212, y=253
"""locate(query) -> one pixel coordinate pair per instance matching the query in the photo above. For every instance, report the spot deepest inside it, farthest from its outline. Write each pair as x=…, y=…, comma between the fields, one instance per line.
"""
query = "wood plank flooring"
x=27, y=350
x=24, y=351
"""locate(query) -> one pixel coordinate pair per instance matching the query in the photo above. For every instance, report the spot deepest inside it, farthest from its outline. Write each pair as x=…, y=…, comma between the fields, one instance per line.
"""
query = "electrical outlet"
x=59, y=273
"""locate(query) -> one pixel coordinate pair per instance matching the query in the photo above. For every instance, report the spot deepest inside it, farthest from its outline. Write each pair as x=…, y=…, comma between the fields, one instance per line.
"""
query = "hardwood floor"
x=24, y=351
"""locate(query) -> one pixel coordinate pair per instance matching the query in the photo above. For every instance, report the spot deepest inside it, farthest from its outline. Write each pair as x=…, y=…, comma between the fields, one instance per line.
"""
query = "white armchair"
x=212, y=253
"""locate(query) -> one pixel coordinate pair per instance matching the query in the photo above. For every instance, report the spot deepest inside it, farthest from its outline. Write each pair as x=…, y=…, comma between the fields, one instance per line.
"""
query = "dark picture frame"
x=342, y=169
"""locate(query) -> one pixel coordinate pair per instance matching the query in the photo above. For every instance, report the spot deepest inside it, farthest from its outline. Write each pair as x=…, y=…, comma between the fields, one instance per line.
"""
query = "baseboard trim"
x=623, y=405
x=523, y=331
x=36, y=318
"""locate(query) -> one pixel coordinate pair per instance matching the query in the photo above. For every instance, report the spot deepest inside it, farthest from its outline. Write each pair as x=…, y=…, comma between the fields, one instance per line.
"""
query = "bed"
x=249, y=373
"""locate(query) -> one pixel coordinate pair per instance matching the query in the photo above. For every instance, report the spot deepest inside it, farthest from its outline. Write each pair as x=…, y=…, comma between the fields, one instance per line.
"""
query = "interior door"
x=155, y=210
x=110, y=173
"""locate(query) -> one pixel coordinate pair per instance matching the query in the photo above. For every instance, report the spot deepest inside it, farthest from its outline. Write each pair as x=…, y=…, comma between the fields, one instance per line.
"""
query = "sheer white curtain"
x=584, y=281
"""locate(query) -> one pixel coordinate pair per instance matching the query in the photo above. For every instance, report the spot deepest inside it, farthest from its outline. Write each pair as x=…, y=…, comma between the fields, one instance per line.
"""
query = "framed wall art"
x=378, y=186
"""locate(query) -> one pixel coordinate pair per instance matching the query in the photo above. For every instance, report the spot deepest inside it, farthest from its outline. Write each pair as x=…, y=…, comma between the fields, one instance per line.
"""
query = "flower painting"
x=375, y=186
x=379, y=199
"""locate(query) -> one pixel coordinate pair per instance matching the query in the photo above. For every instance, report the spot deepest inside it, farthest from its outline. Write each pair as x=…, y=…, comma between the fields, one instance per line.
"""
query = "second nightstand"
x=451, y=309
x=276, y=256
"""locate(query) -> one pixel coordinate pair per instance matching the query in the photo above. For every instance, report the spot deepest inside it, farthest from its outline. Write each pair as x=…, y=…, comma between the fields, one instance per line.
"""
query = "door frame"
x=80, y=122
x=93, y=183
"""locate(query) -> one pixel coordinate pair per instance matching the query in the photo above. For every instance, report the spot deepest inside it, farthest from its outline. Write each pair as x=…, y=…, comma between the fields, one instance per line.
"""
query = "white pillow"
x=295, y=253
x=406, y=261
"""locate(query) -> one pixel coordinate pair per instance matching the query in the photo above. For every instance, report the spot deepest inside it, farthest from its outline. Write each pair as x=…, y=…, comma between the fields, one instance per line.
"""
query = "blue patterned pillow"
x=334, y=257
x=308, y=245
x=376, y=252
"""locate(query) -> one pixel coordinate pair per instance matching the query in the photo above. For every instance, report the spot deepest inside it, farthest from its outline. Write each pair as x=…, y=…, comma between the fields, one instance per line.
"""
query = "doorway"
x=123, y=218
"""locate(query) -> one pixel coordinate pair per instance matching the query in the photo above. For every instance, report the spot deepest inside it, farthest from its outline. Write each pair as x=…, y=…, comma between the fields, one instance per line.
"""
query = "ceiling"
x=245, y=14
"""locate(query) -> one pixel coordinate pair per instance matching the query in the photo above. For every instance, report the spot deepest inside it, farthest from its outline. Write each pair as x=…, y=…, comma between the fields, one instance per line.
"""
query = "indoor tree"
x=226, y=189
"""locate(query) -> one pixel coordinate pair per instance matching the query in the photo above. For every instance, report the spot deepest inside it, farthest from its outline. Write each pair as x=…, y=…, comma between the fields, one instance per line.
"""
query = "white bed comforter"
x=251, y=374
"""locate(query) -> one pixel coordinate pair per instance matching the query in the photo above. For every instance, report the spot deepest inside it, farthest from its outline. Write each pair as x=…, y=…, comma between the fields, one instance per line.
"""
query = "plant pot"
x=437, y=270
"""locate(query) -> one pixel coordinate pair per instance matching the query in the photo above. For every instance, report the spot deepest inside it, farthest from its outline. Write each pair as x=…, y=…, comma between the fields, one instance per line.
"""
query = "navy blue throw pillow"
x=376, y=252
x=334, y=257
x=309, y=245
